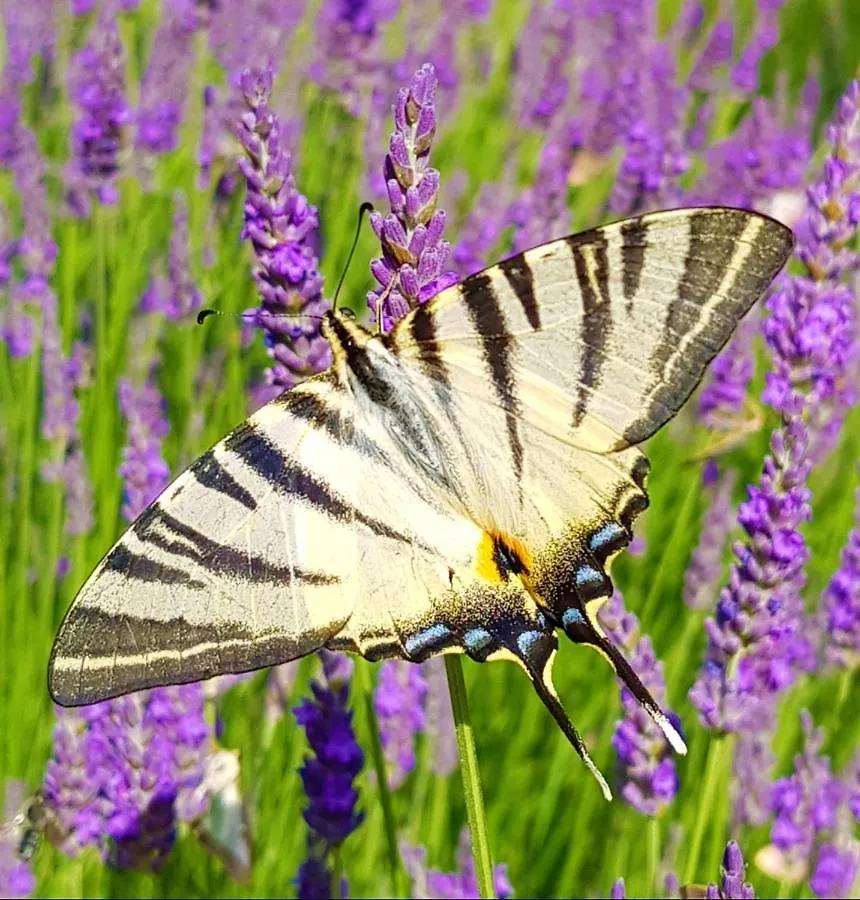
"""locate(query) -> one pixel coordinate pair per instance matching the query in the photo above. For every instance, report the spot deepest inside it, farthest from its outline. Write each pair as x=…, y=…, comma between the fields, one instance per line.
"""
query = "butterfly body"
x=458, y=485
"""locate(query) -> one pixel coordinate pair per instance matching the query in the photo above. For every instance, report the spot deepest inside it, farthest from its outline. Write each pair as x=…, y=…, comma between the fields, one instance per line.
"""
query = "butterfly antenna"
x=250, y=316
x=362, y=210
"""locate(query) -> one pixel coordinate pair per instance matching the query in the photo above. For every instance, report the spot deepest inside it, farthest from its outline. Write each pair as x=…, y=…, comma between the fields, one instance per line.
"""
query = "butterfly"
x=458, y=485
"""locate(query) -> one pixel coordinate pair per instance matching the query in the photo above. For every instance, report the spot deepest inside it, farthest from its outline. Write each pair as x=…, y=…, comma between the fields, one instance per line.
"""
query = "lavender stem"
x=718, y=756
x=471, y=777
x=365, y=684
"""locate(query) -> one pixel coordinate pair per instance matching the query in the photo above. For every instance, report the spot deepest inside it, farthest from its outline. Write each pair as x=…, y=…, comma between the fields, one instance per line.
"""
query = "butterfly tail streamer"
x=590, y=635
x=547, y=693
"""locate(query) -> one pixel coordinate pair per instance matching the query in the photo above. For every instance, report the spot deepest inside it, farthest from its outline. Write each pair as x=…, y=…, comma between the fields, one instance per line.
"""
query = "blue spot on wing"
x=527, y=639
x=572, y=616
x=477, y=638
x=587, y=575
x=608, y=534
x=427, y=639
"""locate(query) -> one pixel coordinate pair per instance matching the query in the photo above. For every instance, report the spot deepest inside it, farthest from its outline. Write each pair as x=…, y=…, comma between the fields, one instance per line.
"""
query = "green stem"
x=471, y=776
x=713, y=767
x=653, y=855
x=365, y=684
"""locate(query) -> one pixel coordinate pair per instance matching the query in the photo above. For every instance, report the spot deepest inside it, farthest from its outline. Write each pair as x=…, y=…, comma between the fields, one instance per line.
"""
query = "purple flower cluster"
x=815, y=816
x=757, y=644
x=123, y=772
x=650, y=778
x=30, y=31
x=280, y=223
x=722, y=400
x=16, y=877
x=164, y=85
x=460, y=885
x=177, y=296
x=841, y=604
x=98, y=89
x=399, y=703
x=732, y=873
x=348, y=42
x=145, y=473
x=328, y=775
x=412, y=267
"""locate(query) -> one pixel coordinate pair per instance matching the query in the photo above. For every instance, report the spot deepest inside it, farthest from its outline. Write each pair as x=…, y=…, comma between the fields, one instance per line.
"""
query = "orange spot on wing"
x=489, y=558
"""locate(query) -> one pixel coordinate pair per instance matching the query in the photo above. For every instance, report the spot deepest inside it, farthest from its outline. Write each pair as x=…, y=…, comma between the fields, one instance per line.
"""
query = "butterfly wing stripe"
x=634, y=239
x=731, y=258
x=422, y=331
x=260, y=454
x=141, y=568
x=591, y=266
x=211, y=474
x=479, y=294
x=160, y=529
x=521, y=279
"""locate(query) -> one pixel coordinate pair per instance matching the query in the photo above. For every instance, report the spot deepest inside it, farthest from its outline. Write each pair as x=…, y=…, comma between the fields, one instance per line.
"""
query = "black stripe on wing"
x=596, y=325
x=634, y=242
x=212, y=474
x=521, y=279
x=257, y=452
x=160, y=529
x=480, y=298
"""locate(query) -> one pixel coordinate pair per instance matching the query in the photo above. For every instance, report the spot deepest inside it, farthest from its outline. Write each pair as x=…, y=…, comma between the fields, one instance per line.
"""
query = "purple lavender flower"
x=702, y=574
x=399, y=704
x=764, y=36
x=757, y=643
x=30, y=31
x=835, y=872
x=752, y=767
x=280, y=224
x=618, y=891
x=165, y=82
x=733, y=871
x=481, y=232
x=814, y=818
x=125, y=771
x=412, y=267
x=717, y=52
x=729, y=377
x=841, y=603
x=16, y=878
x=651, y=780
x=328, y=774
x=98, y=88
x=177, y=296
x=460, y=885
x=444, y=757
x=143, y=469
x=348, y=45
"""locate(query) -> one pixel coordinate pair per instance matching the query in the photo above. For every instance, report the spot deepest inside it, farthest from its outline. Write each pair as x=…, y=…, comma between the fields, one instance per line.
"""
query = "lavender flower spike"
x=732, y=885
x=412, y=267
x=98, y=88
x=461, y=885
x=125, y=771
x=651, y=781
x=328, y=777
x=16, y=879
x=399, y=703
x=280, y=223
x=842, y=603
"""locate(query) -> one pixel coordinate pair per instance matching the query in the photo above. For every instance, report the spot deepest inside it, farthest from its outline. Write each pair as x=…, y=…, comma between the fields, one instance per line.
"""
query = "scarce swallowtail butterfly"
x=456, y=486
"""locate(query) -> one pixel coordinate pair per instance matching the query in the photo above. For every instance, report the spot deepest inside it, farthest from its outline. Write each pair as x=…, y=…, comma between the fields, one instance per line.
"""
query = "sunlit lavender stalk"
x=412, y=266
x=732, y=873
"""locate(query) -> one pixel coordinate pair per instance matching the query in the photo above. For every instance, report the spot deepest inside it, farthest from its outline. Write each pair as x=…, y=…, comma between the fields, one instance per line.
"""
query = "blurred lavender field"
x=156, y=158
